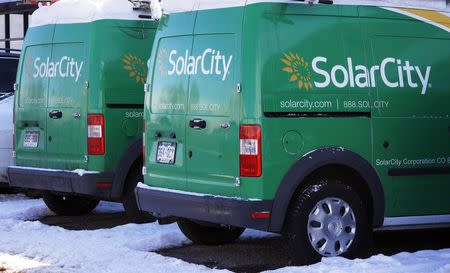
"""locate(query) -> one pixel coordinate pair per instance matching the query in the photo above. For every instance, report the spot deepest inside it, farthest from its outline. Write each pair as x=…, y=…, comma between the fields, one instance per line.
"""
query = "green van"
x=319, y=120
x=79, y=104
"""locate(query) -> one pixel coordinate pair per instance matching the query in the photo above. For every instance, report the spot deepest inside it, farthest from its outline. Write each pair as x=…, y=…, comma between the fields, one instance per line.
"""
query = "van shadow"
x=90, y=221
x=256, y=255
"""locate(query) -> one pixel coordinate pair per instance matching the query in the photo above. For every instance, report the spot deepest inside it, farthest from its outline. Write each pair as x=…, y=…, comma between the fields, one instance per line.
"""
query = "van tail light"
x=96, y=134
x=260, y=215
x=250, y=151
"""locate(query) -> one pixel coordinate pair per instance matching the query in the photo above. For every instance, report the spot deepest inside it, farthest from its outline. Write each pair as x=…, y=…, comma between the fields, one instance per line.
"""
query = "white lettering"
x=321, y=72
x=362, y=77
x=423, y=79
x=209, y=62
x=383, y=73
x=62, y=68
x=334, y=78
x=170, y=72
x=36, y=67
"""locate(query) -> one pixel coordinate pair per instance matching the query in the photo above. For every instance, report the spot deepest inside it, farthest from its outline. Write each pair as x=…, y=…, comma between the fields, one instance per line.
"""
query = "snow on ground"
x=26, y=245
x=29, y=246
x=429, y=261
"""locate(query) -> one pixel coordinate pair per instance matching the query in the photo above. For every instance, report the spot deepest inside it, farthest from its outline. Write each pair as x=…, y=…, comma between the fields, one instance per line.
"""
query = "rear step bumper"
x=208, y=208
x=83, y=183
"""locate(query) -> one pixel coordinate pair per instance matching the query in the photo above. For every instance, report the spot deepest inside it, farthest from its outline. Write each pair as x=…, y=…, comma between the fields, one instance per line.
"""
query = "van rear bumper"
x=222, y=210
x=82, y=183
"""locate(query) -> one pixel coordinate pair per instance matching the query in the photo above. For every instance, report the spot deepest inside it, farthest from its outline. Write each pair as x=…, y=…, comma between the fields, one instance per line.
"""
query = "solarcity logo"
x=209, y=62
x=136, y=68
x=298, y=70
x=66, y=67
x=350, y=75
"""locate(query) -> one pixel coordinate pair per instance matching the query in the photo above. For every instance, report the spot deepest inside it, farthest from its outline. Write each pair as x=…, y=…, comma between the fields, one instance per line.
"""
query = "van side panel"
x=298, y=117
x=118, y=76
x=411, y=130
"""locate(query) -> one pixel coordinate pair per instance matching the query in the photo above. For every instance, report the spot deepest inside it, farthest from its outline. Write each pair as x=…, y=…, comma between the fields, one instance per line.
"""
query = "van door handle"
x=55, y=114
x=197, y=124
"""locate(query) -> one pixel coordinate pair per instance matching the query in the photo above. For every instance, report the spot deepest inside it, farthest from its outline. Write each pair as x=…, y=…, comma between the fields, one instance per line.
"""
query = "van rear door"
x=166, y=127
x=212, y=132
x=31, y=99
x=66, y=108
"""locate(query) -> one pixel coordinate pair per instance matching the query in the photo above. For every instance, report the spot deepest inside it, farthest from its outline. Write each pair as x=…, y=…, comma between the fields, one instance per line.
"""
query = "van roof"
x=83, y=11
x=173, y=6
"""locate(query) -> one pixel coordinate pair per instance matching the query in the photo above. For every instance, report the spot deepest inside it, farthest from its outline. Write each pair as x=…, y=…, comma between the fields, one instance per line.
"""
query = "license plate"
x=166, y=152
x=31, y=139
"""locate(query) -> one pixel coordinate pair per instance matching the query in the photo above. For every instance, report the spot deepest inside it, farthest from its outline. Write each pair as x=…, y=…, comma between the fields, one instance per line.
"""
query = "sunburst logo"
x=136, y=67
x=298, y=69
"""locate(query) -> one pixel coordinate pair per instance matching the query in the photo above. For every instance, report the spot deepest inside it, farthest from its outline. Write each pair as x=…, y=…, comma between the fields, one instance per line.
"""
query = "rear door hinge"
x=238, y=88
x=237, y=182
x=86, y=84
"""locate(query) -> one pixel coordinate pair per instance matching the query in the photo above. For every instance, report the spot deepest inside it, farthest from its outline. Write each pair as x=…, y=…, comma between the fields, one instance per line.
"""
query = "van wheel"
x=69, y=205
x=129, y=199
x=209, y=234
x=327, y=219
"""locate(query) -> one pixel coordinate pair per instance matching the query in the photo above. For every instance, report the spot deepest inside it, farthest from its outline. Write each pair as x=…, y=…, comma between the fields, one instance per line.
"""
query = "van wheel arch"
x=330, y=163
x=130, y=158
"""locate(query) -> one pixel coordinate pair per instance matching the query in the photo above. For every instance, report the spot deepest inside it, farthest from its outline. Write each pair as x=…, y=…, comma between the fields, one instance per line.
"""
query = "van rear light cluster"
x=96, y=134
x=250, y=151
x=260, y=215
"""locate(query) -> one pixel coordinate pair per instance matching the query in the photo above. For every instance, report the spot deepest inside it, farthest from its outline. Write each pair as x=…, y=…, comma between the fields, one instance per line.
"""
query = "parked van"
x=79, y=103
x=319, y=120
x=6, y=129
x=8, y=70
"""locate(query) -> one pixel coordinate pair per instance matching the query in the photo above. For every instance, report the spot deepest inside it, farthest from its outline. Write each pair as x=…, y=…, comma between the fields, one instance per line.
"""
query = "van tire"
x=69, y=205
x=301, y=224
x=129, y=199
x=210, y=234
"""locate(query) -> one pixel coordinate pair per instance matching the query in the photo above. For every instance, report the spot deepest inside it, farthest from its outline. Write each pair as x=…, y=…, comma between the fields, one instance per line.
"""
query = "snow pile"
x=429, y=261
x=18, y=207
x=83, y=11
x=27, y=246
x=17, y=263
x=44, y=248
